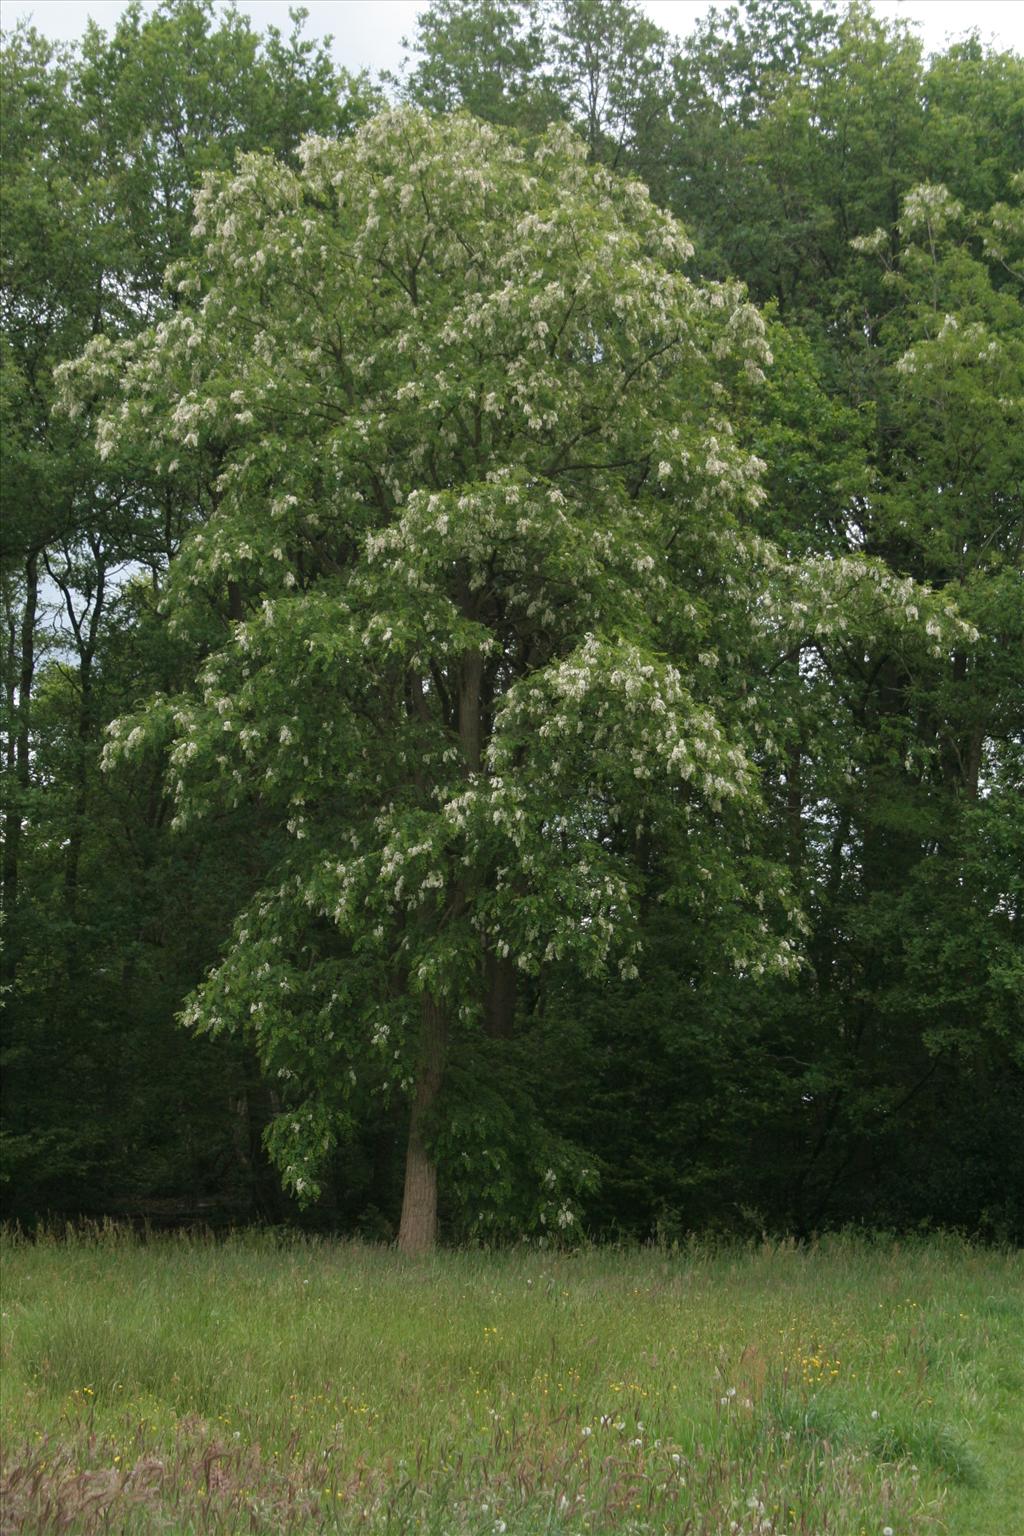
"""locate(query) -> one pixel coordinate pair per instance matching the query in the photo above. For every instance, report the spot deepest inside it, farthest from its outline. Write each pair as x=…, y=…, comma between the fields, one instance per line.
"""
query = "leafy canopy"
x=482, y=581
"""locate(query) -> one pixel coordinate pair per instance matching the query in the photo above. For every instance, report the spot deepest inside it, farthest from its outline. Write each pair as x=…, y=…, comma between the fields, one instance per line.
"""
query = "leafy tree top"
x=476, y=581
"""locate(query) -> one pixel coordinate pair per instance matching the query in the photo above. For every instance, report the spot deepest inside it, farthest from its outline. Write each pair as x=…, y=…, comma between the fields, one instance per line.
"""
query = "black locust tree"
x=473, y=600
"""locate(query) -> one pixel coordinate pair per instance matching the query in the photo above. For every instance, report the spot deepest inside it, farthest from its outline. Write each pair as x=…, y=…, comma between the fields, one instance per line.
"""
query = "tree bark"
x=471, y=726
x=85, y=627
x=500, y=984
x=795, y=808
x=417, y=1230
x=80, y=802
x=20, y=758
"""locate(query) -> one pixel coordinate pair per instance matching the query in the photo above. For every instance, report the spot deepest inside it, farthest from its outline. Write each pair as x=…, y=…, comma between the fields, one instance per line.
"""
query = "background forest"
x=870, y=200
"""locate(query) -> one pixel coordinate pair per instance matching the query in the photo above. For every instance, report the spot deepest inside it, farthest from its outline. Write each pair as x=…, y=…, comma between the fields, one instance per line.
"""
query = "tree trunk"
x=795, y=808
x=471, y=726
x=417, y=1230
x=79, y=805
x=500, y=984
x=19, y=757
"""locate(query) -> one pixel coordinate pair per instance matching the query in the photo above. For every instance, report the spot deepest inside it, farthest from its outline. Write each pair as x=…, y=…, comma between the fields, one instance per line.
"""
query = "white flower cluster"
x=616, y=699
x=928, y=206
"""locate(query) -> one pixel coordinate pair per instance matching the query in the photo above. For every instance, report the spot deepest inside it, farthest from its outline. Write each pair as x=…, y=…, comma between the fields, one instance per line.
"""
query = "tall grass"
x=187, y=1385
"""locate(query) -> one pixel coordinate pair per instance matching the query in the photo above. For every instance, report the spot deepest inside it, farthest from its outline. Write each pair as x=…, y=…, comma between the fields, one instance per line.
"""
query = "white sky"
x=367, y=33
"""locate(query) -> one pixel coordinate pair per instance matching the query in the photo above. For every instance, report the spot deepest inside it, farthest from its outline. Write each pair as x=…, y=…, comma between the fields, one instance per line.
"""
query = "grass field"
x=186, y=1385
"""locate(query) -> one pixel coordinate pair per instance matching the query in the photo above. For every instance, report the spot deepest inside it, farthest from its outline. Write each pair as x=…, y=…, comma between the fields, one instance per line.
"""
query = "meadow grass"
x=257, y=1384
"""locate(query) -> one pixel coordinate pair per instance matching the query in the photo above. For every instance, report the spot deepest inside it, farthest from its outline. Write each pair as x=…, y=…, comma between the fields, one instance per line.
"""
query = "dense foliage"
x=560, y=666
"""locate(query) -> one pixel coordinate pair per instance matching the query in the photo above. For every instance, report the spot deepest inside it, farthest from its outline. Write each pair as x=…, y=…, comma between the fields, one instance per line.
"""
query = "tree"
x=476, y=544
x=797, y=138
x=795, y=128
x=482, y=56
x=103, y=145
x=600, y=65
x=609, y=68
x=932, y=905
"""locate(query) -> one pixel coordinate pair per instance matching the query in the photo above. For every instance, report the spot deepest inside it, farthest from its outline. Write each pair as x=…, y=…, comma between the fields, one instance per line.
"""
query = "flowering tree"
x=472, y=592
